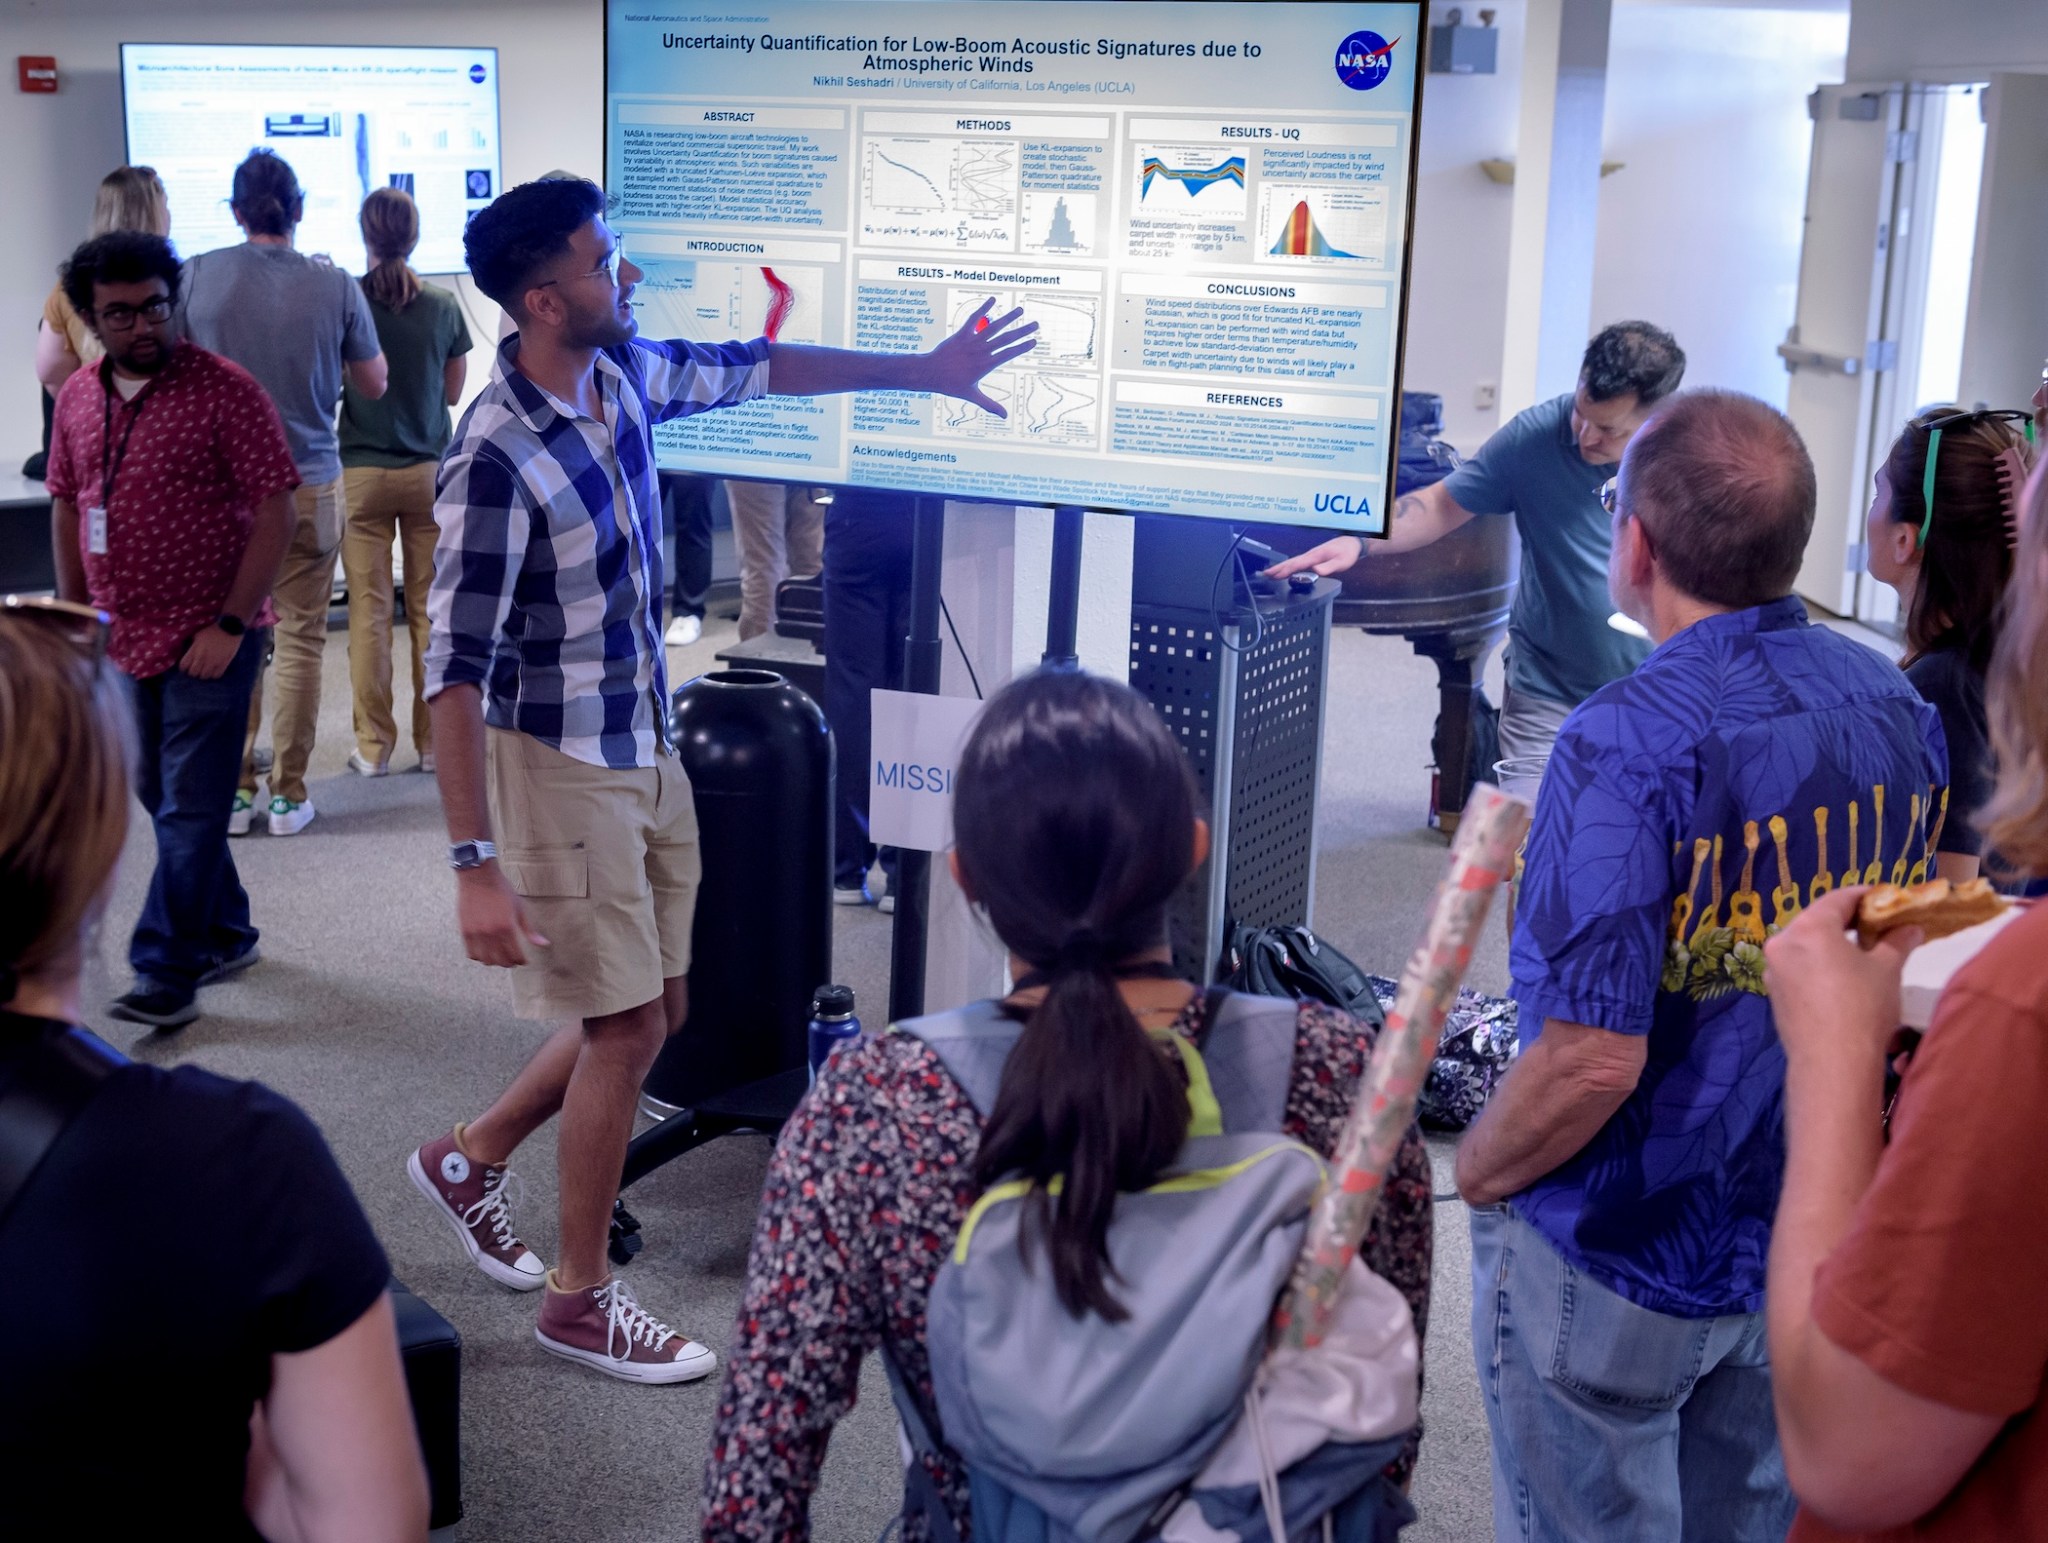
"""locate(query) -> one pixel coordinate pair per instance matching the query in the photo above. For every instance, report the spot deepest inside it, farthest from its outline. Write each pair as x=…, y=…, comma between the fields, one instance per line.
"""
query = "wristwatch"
x=233, y=626
x=471, y=854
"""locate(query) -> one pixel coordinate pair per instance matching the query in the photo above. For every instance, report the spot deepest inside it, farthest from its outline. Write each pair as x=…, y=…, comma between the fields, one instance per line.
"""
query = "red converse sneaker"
x=476, y=1200
x=604, y=1327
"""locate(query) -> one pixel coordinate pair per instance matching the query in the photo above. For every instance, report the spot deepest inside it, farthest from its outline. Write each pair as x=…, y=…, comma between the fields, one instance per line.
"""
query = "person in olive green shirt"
x=390, y=448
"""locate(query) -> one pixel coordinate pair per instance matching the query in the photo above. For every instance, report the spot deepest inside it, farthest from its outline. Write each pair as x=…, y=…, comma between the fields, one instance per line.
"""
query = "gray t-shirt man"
x=1560, y=647
x=290, y=320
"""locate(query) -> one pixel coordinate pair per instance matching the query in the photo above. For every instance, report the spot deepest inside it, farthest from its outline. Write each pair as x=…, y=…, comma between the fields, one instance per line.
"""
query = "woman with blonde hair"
x=1908, y=1298
x=200, y=1343
x=390, y=447
x=1943, y=518
x=129, y=198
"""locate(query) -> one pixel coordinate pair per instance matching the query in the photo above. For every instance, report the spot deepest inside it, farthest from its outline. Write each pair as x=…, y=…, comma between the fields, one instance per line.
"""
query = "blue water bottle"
x=832, y=1023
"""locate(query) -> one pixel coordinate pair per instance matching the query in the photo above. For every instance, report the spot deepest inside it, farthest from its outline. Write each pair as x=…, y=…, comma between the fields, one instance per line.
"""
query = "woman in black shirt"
x=196, y=1339
x=1943, y=520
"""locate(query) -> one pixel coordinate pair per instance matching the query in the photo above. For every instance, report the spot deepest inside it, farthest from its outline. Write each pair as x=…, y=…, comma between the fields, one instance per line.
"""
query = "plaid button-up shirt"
x=547, y=573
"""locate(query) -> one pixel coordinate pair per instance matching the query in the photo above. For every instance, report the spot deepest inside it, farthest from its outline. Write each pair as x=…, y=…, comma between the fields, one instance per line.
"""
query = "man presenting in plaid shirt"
x=549, y=690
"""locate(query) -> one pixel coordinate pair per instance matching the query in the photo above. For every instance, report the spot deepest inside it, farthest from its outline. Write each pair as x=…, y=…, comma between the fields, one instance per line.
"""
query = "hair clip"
x=2010, y=467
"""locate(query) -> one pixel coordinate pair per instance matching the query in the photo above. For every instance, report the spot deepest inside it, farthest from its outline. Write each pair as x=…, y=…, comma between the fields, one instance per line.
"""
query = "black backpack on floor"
x=1294, y=962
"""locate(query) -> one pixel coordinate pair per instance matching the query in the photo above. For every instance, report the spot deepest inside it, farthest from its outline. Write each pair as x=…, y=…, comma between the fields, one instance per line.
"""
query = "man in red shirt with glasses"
x=170, y=482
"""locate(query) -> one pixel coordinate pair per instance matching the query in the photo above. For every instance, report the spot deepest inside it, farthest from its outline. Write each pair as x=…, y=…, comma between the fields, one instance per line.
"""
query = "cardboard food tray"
x=1930, y=966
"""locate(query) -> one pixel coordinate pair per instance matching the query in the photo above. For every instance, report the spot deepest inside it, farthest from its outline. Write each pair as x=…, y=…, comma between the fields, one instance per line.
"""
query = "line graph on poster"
x=1046, y=407
x=717, y=302
x=1192, y=183
x=1069, y=326
x=943, y=193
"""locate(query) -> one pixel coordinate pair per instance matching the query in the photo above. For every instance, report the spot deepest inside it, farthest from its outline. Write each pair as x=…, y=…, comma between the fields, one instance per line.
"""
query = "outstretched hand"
x=958, y=365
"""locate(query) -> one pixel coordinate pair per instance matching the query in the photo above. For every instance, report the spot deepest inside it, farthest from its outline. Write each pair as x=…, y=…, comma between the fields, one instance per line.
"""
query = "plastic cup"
x=1519, y=776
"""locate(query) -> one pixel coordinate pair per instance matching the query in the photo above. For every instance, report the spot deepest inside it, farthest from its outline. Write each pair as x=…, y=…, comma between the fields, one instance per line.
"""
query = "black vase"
x=760, y=761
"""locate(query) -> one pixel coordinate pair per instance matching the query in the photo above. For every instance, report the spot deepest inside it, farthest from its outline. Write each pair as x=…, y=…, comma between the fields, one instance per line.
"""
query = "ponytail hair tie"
x=1084, y=949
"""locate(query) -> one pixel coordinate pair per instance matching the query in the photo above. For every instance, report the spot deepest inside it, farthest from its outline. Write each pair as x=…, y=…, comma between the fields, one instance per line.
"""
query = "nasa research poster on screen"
x=1203, y=206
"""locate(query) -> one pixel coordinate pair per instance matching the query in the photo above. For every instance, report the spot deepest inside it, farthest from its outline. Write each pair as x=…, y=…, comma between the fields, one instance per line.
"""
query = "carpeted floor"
x=365, y=1011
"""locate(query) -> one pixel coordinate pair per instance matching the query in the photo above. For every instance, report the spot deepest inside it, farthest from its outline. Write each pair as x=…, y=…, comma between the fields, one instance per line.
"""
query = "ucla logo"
x=1354, y=504
x=1364, y=59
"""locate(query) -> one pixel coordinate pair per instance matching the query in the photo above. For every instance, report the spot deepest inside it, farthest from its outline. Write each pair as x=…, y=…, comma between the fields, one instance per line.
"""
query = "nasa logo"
x=476, y=73
x=1364, y=59
x=1354, y=504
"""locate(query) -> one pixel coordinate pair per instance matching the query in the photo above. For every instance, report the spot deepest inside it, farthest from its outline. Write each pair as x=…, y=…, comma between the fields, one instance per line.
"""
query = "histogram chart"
x=1060, y=224
x=953, y=194
x=1189, y=183
x=1322, y=224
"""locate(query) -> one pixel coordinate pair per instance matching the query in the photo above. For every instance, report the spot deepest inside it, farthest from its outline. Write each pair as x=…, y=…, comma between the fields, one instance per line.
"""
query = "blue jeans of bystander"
x=189, y=735
x=1613, y=1421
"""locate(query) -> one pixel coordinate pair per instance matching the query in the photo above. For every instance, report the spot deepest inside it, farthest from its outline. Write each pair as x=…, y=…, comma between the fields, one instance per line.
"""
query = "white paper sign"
x=915, y=746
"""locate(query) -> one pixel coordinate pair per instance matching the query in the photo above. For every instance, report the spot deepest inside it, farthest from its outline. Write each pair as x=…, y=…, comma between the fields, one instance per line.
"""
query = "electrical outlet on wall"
x=1486, y=396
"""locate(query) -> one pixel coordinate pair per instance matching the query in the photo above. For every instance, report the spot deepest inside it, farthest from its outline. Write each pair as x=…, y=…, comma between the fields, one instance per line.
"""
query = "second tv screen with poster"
x=1203, y=206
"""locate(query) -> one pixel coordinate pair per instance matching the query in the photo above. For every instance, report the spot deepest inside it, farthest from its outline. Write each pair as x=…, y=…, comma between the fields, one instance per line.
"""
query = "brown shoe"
x=604, y=1327
x=476, y=1200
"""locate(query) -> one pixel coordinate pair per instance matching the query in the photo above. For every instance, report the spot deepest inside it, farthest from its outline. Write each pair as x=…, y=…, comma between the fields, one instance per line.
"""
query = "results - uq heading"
x=960, y=53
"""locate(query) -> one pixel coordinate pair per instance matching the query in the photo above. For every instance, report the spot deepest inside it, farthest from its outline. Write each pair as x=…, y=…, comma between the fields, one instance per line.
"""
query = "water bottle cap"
x=832, y=1002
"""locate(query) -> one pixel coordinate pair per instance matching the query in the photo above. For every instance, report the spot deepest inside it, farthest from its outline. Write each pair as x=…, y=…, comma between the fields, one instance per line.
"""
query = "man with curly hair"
x=1624, y=1177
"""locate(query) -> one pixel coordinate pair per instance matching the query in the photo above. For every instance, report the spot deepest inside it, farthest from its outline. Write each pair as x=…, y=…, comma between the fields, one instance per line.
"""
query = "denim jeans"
x=1613, y=1421
x=189, y=735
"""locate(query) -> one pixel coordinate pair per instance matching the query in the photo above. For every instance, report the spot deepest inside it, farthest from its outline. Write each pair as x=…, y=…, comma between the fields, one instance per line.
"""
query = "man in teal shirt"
x=1545, y=467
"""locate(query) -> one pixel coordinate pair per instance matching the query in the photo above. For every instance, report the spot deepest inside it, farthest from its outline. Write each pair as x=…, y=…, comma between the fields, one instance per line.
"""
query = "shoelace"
x=627, y=1317
x=502, y=1192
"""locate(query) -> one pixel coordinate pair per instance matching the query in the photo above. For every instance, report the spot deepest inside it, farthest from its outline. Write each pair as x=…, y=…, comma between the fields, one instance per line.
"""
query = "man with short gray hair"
x=1624, y=1178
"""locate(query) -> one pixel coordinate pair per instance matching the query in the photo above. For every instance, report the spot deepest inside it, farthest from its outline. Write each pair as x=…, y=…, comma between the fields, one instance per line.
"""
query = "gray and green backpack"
x=1080, y=1430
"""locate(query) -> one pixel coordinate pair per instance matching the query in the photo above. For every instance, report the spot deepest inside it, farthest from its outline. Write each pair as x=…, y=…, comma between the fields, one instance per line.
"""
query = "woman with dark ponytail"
x=390, y=447
x=1943, y=522
x=1076, y=824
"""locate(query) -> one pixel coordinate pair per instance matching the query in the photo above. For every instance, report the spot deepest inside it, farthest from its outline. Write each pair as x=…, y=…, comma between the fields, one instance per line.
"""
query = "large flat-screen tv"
x=1204, y=206
x=348, y=120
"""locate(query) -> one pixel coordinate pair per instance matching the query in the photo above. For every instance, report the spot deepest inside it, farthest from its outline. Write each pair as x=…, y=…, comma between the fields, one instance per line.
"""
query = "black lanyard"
x=110, y=470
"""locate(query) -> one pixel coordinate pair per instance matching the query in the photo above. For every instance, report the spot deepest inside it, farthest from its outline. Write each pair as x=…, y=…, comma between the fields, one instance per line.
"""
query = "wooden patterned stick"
x=1483, y=853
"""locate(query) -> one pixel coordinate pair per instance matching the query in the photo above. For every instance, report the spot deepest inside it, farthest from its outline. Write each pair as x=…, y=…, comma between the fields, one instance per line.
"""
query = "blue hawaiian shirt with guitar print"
x=1751, y=763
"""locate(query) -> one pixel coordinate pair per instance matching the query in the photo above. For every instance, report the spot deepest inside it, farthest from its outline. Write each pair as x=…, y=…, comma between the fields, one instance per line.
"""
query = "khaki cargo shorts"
x=606, y=861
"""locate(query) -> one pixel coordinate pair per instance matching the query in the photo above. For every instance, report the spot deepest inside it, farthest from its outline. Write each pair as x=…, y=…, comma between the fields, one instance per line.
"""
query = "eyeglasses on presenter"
x=609, y=268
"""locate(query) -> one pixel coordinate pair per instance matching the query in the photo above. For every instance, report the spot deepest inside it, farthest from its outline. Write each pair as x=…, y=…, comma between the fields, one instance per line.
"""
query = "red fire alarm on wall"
x=38, y=72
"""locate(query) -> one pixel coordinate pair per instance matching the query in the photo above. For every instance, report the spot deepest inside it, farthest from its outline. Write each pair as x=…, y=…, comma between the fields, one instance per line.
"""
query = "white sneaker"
x=288, y=818
x=242, y=815
x=427, y=762
x=684, y=631
x=363, y=766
